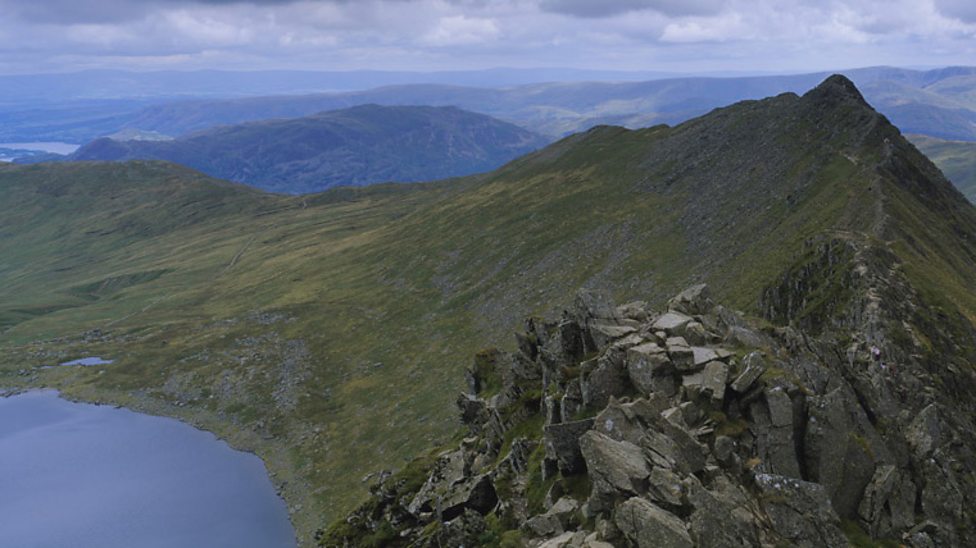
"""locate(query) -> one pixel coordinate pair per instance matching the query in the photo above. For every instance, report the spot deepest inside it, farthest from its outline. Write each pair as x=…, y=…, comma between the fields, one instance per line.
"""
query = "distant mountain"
x=957, y=159
x=352, y=147
x=939, y=102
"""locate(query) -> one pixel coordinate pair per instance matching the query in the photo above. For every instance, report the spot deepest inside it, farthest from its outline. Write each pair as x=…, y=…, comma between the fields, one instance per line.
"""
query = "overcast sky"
x=666, y=35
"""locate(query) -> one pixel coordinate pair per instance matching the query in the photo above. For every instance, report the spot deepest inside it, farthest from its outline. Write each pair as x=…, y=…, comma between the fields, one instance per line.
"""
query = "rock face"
x=608, y=428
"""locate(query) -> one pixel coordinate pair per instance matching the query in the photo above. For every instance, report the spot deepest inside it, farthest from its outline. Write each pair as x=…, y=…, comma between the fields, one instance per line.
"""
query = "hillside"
x=356, y=146
x=957, y=159
x=329, y=333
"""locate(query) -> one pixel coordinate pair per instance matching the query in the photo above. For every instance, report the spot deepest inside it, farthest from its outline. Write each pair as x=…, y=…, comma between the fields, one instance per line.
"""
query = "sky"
x=686, y=36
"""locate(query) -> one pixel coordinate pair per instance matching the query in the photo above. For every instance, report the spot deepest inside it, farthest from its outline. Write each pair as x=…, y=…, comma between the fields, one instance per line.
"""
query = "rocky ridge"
x=695, y=426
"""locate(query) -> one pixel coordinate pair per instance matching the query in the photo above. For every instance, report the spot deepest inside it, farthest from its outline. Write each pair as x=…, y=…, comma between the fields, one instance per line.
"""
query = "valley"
x=329, y=333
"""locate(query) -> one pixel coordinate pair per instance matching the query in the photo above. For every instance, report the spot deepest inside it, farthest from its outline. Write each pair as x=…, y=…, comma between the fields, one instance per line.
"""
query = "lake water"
x=90, y=476
x=45, y=146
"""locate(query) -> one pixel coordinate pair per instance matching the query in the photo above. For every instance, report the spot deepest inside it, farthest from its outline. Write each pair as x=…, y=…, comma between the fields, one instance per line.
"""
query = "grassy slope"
x=329, y=334
x=957, y=159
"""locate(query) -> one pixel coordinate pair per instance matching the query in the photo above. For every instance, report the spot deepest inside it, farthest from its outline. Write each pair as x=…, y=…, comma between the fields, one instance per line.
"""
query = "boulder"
x=595, y=305
x=705, y=354
x=603, y=335
x=694, y=300
x=773, y=428
x=671, y=322
x=755, y=366
x=696, y=333
x=924, y=433
x=617, y=469
x=562, y=443
x=680, y=353
x=646, y=525
x=720, y=516
x=564, y=540
x=608, y=378
x=646, y=365
x=715, y=376
x=743, y=336
x=800, y=511
x=840, y=448
x=664, y=487
x=888, y=506
x=636, y=310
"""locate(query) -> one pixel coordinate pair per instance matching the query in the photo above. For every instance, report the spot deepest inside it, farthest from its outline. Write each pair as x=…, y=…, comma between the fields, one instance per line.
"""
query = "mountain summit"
x=325, y=332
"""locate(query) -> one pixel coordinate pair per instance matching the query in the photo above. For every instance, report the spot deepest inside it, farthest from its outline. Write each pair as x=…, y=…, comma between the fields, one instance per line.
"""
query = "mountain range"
x=937, y=103
x=356, y=146
x=330, y=333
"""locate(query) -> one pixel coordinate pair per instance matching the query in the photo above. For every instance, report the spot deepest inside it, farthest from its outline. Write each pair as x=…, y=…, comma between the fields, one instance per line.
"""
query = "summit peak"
x=836, y=88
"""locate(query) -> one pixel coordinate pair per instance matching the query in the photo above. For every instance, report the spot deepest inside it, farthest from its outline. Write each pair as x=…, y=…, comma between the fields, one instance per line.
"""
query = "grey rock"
x=564, y=540
x=840, y=448
x=743, y=336
x=648, y=526
x=636, y=310
x=716, y=375
x=664, y=486
x=671, y=322
x=571, y=402
x=448, y=471
x=562, y=443
x=924, y=433
x=543, y=526
x=565, y=510
x=681, y=354
x=888, y=506
x=693, y=300
x=696, y=333
x=646, y=364
x=773, y=426
x=691, y=384
x=592, y=304
x=605, y=334
x=721, y=516
x=755, y=366
x=609, y=378
x=617, y=469
x=723, y=449
x=800, y=511
x=705, y=354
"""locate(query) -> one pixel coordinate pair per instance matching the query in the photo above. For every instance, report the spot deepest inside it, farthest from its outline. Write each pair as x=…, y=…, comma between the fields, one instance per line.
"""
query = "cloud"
x=460, y=30
x=609, y=8
x=646, y=35
x=964, y=10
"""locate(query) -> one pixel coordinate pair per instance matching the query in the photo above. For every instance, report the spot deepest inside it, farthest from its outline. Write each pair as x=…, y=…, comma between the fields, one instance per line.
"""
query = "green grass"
x=956, y=159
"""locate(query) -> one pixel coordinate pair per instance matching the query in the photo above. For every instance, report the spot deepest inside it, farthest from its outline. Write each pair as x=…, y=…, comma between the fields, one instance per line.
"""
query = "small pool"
x=94, y=360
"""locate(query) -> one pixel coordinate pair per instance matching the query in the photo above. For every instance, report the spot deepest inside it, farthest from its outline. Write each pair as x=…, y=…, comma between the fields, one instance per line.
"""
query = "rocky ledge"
x=619, y=426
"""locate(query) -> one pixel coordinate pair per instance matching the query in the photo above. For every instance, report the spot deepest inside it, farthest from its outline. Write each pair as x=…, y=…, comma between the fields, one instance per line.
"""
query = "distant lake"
x=53, y=146
x=90, y=476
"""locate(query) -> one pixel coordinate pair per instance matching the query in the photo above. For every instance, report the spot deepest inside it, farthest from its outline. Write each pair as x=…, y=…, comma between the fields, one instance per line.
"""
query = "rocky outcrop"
x=618, y=426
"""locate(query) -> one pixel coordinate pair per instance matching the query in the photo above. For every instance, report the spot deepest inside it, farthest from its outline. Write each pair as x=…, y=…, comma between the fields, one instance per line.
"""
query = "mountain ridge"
x=330, y=328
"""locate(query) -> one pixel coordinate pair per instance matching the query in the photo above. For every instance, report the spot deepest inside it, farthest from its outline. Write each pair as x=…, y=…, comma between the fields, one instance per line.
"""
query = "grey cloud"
x=113, y=11
x=964, y=10
x=608, y=8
